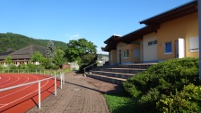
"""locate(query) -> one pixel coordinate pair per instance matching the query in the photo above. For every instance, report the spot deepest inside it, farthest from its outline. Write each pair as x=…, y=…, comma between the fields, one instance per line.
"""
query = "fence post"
x=39, y=95
x=61, y=80
x=84, y=73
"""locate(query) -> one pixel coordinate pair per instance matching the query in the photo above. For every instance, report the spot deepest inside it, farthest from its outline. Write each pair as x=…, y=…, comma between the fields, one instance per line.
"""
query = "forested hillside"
x=17, y=41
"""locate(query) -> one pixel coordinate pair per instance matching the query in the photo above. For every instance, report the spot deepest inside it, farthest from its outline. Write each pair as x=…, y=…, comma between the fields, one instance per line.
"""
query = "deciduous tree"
x=76, y=49
x=58, y=58
x=8, y=60
x=37, y=57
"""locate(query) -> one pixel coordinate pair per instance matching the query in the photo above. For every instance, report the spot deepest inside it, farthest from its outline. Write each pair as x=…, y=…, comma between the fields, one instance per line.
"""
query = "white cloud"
x=73, y=36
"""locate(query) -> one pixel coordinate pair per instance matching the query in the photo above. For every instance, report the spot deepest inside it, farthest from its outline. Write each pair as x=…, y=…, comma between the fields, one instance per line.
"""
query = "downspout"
x=199, y=34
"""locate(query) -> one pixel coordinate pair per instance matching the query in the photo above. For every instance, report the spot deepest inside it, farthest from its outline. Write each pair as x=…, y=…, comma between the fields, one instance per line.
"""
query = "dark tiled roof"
x=6, y=53
x=26, y=52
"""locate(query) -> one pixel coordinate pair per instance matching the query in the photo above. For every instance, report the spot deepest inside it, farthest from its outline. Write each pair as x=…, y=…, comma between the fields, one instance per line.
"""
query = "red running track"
x=23, y=98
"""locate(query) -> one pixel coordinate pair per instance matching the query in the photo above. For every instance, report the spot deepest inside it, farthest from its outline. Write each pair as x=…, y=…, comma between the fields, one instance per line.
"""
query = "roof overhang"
x=138, y=34
x=112, y=39
x=172, y=14
x=109, y=47
x=111, y=43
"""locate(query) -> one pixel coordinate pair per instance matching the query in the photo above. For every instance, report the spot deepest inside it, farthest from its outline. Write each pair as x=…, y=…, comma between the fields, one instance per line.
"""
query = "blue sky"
x=64, y=20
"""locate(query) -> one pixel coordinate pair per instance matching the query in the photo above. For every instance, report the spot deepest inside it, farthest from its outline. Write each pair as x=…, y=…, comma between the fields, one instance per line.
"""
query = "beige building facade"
x=172, y=34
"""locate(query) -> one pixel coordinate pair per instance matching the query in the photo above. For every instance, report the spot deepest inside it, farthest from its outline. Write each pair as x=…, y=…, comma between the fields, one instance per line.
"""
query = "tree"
x=50, y=49
x=46, y=63
x=37, y=57
x=18, y=41
x=78, y=48
x=58, y=58
x=8, y=60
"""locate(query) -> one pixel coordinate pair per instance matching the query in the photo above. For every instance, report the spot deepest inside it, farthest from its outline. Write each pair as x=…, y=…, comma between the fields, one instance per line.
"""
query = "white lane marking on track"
x=17, y=90
x=24, y=95
x=21, y=97
x=10, y=82
x=5, y=80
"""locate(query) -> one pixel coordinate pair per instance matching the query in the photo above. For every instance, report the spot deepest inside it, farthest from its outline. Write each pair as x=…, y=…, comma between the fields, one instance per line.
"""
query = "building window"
x=136, y=53
x=154, y=42
x=193, y=44
x=126, y=53
x=168, y=48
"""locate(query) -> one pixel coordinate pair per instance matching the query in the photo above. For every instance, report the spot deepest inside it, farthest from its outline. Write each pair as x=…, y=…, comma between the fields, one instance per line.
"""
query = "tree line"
x=81, y=50
x=18, y=41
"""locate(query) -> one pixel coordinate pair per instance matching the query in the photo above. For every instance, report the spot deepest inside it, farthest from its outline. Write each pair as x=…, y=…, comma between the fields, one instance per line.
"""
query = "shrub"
x=22, y=66
x=188, y=100
x=148, y=101
x=162, y=80
x=34, y=67
x=1, y=67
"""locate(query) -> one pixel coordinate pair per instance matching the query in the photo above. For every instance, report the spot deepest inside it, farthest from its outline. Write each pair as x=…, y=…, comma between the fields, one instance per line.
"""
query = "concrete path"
x=77, y=96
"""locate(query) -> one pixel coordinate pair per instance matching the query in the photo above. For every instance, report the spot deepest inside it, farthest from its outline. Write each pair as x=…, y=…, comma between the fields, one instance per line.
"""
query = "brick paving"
x=79, y=95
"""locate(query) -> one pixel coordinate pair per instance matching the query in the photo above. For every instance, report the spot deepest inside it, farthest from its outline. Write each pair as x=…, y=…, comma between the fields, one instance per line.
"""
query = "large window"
x=154, y=42
x=168, y=47
x=126, y=53
x=193, y=44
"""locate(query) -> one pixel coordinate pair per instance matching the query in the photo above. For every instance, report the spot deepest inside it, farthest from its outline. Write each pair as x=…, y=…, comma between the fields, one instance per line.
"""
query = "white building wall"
x=150, y=53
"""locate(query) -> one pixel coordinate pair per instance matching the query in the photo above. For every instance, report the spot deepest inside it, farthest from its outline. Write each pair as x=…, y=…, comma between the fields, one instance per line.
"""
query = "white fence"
x=39, y=86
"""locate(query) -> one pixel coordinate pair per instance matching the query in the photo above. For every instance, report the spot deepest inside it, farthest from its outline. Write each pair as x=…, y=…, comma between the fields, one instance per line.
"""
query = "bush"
x=166, y=78
x=87, y=60
x=12, y=67
x=1, y=67
x=34, y=67
x=188, y=100
x=22, y=66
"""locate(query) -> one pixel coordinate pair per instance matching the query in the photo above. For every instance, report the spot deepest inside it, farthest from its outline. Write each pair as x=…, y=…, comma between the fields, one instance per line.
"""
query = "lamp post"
x=199, y=34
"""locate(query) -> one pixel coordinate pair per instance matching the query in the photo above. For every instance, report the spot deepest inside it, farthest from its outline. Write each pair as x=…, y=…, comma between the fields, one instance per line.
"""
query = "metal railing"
x=39, y=71
x=88, y=67
x=39, y=86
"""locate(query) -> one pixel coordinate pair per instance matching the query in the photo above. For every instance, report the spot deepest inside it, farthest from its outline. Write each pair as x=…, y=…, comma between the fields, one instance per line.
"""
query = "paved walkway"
x=77, y=96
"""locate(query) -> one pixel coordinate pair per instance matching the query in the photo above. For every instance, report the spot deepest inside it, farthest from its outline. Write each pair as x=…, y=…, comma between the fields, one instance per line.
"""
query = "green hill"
x=17, y=41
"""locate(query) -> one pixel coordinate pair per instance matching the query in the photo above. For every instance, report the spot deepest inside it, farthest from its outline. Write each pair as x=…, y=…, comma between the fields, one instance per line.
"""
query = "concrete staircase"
x=118, y=73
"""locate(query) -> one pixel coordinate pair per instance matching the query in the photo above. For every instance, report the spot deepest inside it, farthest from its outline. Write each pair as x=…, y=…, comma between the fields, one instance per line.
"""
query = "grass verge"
x=119, y=102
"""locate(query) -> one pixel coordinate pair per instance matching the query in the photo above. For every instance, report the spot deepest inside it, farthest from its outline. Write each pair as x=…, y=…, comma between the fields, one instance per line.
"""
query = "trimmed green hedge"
x=160, y=81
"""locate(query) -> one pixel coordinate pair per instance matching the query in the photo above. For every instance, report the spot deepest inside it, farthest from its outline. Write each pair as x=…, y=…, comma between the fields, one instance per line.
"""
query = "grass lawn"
x=119, y=102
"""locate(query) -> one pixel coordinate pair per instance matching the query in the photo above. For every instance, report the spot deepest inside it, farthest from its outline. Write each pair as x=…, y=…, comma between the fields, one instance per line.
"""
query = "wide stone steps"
x=140, y=65
x=114, y=80
x=123, y=70
x=118, y=73
x=112, y=74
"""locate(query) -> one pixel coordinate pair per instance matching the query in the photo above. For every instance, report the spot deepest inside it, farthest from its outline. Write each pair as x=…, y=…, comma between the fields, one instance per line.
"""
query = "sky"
x=64, y=20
